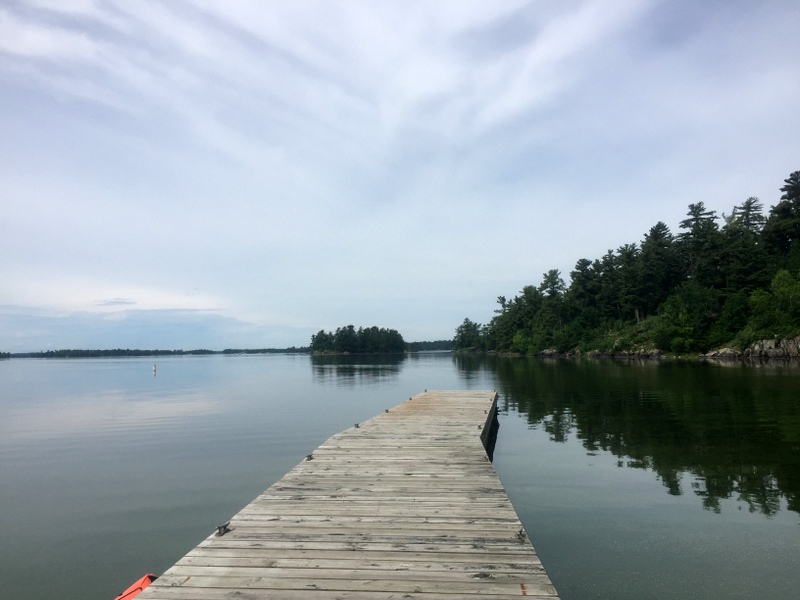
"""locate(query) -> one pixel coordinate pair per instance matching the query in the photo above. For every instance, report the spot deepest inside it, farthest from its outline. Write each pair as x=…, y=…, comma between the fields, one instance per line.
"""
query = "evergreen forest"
x=721, y=281
x=348, y=339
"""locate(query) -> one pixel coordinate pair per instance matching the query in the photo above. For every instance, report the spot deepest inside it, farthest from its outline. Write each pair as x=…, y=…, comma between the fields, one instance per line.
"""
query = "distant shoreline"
x=413, y=347
x=123, y=353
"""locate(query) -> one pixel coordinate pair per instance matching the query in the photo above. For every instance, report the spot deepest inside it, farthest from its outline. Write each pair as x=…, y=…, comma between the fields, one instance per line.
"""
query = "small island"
x=349, y=340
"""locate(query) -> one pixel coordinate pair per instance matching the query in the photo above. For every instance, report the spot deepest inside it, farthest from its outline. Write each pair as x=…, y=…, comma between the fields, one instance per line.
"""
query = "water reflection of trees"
x=473, y=366
x=734, y=432
x=356, y=369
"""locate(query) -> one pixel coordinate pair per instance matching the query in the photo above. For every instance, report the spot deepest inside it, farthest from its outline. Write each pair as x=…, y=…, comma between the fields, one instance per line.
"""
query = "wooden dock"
x=405, y=505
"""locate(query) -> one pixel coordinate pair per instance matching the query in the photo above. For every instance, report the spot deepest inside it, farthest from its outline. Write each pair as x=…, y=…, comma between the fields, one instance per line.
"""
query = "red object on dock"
x=137, y=587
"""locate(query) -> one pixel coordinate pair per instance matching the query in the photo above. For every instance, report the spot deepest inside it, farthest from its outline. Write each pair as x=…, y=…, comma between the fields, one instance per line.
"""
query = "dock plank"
x=405, y=504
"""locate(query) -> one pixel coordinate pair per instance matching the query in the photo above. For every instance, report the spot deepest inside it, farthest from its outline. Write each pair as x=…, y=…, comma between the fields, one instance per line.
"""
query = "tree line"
x=722, y=280
x=127, y=352
x=368, y=341
x=433, y=346
x=348, y=339
x=116, y=352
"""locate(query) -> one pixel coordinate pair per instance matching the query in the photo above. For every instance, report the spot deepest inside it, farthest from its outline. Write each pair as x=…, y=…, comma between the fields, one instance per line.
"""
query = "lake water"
x=633, y=480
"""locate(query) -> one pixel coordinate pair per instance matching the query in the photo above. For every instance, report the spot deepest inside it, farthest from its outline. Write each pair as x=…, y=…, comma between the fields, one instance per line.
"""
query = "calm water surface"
x=634, y=480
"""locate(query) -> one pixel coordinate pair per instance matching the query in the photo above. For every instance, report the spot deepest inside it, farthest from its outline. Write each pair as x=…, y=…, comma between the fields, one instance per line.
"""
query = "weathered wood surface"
x=406, y=505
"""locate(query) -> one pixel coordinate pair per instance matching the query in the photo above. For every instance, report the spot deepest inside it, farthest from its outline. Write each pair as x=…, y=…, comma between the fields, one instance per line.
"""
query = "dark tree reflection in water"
x=352, y=370
x=719, y=432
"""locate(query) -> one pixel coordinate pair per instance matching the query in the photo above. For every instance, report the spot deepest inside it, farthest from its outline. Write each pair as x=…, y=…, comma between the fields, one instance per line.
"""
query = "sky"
x=241, y=174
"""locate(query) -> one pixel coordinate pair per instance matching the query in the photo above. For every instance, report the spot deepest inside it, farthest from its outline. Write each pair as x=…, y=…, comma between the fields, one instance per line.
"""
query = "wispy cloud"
x=292, y=166
x=116, y=302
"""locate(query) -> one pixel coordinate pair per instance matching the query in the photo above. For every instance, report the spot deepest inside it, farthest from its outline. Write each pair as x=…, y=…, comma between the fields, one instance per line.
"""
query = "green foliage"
x=685, y=319
x=372, y=340
x=702, y=246
x=749, y=215
x=776, y=311
x=469, y=335
x=660, y=270
x=709, y=286
x=782, y=229
x=732, y=319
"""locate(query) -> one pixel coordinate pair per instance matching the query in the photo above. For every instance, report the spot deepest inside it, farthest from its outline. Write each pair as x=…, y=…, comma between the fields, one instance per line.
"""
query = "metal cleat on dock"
x=224, y=528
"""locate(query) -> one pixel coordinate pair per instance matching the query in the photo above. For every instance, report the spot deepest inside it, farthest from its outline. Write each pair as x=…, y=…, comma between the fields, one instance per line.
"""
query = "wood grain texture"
x=406, y=505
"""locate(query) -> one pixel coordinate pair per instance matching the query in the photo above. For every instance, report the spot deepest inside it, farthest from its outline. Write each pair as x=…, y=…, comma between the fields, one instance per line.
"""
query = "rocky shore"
x=768, y=348
x=776, y=348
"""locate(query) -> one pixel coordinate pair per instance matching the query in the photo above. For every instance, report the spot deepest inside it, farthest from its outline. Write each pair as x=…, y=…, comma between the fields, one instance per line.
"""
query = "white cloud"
x=291, y=166
x=34, y=40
